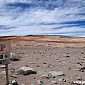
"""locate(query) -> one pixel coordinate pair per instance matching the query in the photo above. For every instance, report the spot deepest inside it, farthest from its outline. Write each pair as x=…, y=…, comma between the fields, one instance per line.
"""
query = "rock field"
x=46, y=63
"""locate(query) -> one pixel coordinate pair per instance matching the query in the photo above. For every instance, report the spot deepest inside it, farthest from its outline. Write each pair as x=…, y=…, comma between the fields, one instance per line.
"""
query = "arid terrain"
x=45, y=54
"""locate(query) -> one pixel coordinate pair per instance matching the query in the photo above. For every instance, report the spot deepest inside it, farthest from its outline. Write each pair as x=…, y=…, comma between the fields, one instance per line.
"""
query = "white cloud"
x=43, y=30
x=38, y=16
x=12, y=1
x=30, y=21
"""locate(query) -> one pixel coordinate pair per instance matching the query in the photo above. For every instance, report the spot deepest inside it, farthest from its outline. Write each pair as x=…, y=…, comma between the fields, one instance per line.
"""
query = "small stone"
x=37, y=66
x=25, y=70
x=67, y=53
x=40, y=82
x=34, y=78
x=14, y=82
x=48, y=56
x=21, y=52
x=79, y=63
x=55, y=74
x=31, y=63
x=10, y=82
x=69, y=68
x=54, y=82
x=79, y=78
x=14, y=76
x=67, y=56
x=82, y=52
x=79, y=82
x=82, y=69
x=3, y=73
x=62, y=80
x=16, y=73
x=37, y=58
x=2, y=66
x=12, y=70
x=14, y=57
x=44, y=63
x=45, y=76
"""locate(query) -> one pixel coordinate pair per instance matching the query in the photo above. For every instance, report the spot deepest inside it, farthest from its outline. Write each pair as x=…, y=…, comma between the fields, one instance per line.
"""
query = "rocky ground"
x=67, y=60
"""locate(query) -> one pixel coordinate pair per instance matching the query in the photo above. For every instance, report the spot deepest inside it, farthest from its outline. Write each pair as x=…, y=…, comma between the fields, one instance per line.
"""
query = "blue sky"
x=42, y=17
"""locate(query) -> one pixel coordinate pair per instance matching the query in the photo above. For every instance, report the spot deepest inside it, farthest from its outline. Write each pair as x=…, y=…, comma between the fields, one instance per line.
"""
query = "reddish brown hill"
x=58, y=39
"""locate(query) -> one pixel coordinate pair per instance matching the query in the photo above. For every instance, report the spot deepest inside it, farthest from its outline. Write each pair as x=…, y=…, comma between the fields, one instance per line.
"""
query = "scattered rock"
x=12, y=70
x=55, y=74
x=44, y=63
x=25, y=70
x=34, y=78
x=31, y=63
x=3, y=73
x=82, y=58
x=14, y=57
x=69, y=68
x=82, y=69
x=67, y=56
x=10, y=82
x=14, y=76
x=67, y=53
x=16, y=73
x=40, y=82
x=79, y=82
x=37, y=58
x=21, y=52
x=2, y=66
x=54, y=82
x=82, y=52
x=37, y=66
x=79, y=78
x=79, y=63
x=62, y=80
x=48, y=56
x=14, y=82
x=45, y=76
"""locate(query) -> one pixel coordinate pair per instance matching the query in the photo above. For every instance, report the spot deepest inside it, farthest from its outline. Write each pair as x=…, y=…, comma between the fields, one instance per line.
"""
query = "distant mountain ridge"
x=46, y=38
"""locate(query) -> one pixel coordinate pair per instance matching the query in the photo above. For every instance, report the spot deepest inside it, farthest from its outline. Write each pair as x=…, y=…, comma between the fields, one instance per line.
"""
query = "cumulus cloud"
x=64, y=17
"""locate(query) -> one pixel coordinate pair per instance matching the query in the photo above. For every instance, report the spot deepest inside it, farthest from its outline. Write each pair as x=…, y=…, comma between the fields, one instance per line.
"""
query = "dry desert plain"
x=45, y=54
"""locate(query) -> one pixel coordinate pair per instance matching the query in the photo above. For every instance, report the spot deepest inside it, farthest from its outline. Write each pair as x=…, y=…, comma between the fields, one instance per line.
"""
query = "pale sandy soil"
x=45, y=57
